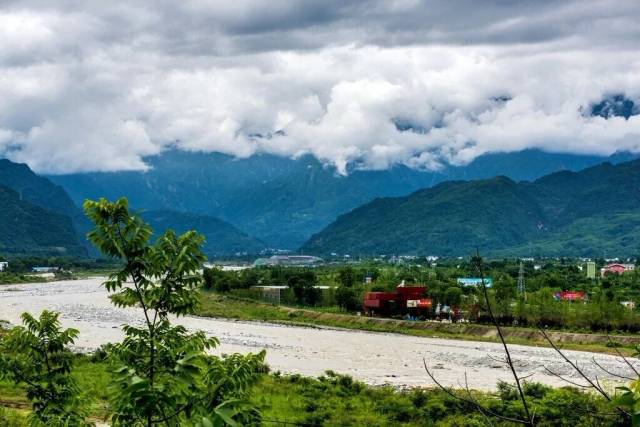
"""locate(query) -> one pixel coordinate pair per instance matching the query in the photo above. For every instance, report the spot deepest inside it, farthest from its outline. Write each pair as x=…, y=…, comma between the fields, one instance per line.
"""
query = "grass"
x=15, y=278
x=216, y=305
x=7, y=278
x=92, y=378
x=93, y=272
x=336, y=400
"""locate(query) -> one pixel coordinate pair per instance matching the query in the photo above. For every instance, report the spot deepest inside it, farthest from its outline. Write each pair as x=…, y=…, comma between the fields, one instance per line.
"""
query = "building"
x=3, y=265
x=475, y=281
x=591, y=270
x=405, y=300
x=628, y=304
x=570, y=296
x=616, y=269
x=289, y=261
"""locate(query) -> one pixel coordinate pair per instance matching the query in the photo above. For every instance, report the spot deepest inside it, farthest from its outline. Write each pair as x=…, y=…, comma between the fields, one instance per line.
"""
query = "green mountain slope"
x=35, y=189
x=221, y=238
x=36, y=215
x=41, y=192
x=29, y=229
x=284, y=201
x=584, y=213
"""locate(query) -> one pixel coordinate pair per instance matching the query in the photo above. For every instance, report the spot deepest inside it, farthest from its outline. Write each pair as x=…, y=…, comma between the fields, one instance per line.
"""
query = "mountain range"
x=588, y=213
x=37, y=217
x=283, y=201
x=247, y=205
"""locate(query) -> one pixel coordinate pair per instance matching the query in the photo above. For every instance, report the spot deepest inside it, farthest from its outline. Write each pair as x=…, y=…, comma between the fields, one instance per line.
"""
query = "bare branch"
x=623, y=357
x=497, y=359
x=472, y=401
x=576, y=367
x=595, y=362
x=564, y=379
x=596, y=386
x=480, y=268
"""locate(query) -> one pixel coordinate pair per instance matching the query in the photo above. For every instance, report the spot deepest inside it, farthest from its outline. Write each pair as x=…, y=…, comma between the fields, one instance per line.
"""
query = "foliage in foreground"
x=37, y=355
x=337, y=400
x=162, y=373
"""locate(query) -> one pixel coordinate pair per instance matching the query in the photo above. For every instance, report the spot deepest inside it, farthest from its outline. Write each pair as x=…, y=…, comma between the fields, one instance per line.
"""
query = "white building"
x=3, y=265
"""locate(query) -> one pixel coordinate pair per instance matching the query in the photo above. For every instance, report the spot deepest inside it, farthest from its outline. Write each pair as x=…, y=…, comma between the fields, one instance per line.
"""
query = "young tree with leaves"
x=163, y=373
x=37, y=355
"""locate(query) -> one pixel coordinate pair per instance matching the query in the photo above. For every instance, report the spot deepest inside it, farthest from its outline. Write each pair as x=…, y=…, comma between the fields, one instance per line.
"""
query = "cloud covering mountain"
x=98, y=86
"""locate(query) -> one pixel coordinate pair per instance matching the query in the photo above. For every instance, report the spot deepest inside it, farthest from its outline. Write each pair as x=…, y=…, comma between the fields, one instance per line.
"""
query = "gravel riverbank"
x=375, y=358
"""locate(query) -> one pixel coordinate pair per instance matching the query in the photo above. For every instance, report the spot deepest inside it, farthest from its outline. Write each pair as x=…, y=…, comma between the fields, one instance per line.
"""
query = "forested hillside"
x=283, y=201
x=29, y=229
x=589, y=213
x=221, y=238
x=39, y=217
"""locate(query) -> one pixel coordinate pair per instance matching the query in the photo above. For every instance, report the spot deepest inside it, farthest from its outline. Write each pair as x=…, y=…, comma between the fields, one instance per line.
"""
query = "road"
x=375, y=358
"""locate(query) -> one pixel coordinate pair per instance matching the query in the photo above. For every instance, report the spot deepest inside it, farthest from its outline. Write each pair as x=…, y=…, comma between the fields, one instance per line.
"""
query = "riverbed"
x=375, y=358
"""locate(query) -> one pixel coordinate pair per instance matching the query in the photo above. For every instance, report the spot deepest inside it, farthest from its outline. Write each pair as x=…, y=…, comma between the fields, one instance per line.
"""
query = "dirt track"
x=375, y=358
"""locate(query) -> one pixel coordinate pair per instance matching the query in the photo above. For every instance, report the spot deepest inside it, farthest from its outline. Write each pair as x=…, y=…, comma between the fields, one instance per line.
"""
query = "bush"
x=347, y=298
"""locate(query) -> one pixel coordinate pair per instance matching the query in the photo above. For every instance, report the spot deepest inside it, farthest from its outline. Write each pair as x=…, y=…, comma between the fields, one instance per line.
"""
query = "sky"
x=100, y=85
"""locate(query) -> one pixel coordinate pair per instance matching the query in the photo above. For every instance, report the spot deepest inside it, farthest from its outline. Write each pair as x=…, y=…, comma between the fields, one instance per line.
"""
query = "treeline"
x=345, y=286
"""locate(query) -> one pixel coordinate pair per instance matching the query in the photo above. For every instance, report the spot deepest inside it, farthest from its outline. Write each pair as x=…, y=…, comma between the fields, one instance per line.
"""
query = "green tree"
x=218, y=280
x=347, y=298
x=347, y=277
x=37, y=355
x=303, y=284
x=453, y=296
x=505, y=288
x=163, y=374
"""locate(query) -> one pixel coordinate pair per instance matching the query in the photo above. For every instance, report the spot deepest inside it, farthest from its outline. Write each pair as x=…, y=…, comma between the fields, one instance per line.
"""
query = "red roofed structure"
x=406, y=299
x=616, y=269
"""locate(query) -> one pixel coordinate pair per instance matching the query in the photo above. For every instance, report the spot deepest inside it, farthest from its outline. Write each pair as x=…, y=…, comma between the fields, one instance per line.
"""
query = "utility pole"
x=521, y=287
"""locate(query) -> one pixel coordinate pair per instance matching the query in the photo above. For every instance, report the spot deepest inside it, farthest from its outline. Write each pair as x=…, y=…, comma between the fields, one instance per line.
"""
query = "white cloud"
x=106, y=85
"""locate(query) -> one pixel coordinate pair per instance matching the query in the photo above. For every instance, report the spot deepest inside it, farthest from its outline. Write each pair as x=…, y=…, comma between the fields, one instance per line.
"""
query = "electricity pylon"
x=521, y=287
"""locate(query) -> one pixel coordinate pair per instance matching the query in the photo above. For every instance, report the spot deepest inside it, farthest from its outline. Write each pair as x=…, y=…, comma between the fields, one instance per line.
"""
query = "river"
x=375, y=358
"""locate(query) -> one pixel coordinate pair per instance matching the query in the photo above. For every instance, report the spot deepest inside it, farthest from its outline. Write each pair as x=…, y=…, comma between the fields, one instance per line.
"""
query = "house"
x=616, y=269
x=474, y=281
x=570, y=296
x=3, y=265
x=405, y=300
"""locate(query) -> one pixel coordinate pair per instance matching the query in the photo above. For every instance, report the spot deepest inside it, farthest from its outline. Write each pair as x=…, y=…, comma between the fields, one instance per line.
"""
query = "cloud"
x=101, y=85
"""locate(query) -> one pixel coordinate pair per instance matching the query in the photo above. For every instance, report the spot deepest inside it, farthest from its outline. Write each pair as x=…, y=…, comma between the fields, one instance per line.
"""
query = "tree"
x=347, y=277
x=303, y=285
x=37, y=355
x=162, y=373
x=218, y=280
x=453, y=296
x=505, y=288
x=347, y=298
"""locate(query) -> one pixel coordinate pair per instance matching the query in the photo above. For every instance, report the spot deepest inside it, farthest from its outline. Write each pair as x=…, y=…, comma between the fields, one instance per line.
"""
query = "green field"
x=335, y=400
